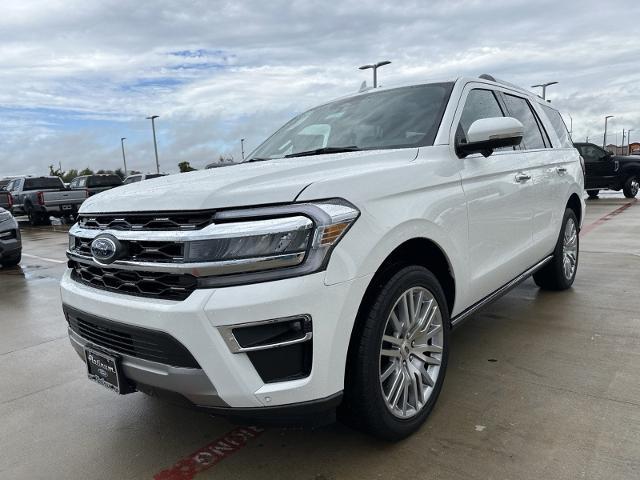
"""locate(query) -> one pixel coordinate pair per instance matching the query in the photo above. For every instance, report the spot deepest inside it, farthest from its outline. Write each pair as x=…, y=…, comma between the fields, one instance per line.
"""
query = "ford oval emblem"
x=102, y=372
x=104, y=249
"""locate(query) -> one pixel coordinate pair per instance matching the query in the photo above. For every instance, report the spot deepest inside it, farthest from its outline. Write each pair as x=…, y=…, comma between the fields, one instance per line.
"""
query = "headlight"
x=267, y=243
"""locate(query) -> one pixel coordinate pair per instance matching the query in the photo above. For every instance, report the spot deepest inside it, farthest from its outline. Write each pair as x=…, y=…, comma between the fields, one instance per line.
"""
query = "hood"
x=256, y=183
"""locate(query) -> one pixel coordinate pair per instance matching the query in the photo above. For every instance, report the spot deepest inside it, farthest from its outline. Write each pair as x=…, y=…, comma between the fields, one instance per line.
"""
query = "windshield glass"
x=104, y=181
x=402, y=117
x=37, y=183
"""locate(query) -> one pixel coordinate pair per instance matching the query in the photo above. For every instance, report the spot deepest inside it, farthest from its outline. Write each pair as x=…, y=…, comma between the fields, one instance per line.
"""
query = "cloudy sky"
x=76, y=75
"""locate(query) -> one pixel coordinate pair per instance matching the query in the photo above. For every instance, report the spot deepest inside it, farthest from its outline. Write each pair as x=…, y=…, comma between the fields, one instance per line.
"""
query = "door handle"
x=561, y=170
x=522, y=177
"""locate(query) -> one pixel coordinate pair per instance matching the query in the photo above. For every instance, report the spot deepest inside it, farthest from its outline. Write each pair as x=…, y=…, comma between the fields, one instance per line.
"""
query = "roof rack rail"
x=486, y=76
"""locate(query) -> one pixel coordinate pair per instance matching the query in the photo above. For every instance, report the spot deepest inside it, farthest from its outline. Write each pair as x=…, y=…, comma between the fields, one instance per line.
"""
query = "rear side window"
x=129, y=180
x=558, y=126
x=480, y=104
x=520, y=109
x=104, y=181
x=37, y=183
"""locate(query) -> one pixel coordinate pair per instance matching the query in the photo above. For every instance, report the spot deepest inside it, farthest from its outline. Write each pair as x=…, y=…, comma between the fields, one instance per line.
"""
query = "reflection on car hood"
x=255, y=183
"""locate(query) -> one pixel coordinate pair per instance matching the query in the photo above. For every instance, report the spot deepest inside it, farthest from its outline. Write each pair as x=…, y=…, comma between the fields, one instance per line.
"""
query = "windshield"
x=402, y=117
x=38, y=183
x=104, y=181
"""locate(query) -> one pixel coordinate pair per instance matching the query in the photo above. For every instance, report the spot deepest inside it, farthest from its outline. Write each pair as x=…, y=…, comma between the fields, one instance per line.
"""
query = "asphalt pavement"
x=540, y=385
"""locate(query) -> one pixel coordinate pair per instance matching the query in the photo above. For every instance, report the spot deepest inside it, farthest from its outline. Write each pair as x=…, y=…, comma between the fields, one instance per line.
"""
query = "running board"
x=455, y=321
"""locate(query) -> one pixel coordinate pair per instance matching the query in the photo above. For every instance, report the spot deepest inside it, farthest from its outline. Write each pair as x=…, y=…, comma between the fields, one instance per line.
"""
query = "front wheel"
x=399, y=358
x=560, y=272
x=11, y=261
x=631, y=187
x=593, y=193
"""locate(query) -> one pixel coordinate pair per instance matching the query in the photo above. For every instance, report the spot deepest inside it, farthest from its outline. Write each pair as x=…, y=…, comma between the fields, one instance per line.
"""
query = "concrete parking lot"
x=540, y=385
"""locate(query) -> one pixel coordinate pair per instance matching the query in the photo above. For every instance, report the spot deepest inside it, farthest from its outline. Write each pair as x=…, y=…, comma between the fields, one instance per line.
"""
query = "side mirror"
x=487, y=134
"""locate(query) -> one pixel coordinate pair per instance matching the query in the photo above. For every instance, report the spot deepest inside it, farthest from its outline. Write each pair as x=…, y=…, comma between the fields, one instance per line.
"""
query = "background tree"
x=55, y=173
x=86, y=171
x=120, y=173
x=70, y=175
x=185, y=167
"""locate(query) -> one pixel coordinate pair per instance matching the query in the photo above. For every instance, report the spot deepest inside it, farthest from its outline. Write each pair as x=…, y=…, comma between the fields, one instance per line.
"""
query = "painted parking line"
x=44, y=259
x=209, y=455
x=606, y=217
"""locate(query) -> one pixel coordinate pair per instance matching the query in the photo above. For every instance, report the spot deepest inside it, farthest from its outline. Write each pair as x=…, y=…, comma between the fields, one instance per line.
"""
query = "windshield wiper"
x=324, y=150
x=256, y=159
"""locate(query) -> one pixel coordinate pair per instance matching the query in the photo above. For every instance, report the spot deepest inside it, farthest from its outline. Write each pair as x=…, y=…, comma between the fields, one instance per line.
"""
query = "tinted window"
x=592, y=153
x=104, y=181
x=519, y=108
x=37, y=183
x=129, y=180
x=480, y=104
x=402, y=117
x=558, y=126
x=154, y=175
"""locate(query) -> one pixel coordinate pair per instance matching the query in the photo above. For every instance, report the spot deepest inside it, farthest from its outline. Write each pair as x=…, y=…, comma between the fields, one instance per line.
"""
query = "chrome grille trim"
x=204, y=269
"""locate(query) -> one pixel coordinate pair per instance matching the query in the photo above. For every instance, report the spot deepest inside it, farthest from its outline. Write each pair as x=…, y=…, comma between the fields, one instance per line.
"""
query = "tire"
x=372, y=357
x=593, y=193
x=554, y=275
x=631, y=187
x=34, y=217
x=11, y=261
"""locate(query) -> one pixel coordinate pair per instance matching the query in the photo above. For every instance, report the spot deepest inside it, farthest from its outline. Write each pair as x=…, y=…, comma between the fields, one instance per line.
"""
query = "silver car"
x=10, y=241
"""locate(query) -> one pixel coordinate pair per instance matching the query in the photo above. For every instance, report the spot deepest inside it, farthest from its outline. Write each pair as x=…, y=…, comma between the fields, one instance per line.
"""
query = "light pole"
x=570, y=125
x=544, y=88
x=604, y=140
x=375, y=67
x=242, y=147
x=124, y=159
x=622, y=143
x=155, y=144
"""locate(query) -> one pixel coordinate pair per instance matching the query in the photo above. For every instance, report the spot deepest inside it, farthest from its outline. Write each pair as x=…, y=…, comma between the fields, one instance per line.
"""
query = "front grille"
x=167, y=286
x=136, y=342
x=139, y=250
x=151, y=221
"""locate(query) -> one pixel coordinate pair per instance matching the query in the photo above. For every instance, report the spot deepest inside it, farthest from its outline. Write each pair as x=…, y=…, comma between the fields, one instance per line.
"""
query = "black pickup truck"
x=607, y=171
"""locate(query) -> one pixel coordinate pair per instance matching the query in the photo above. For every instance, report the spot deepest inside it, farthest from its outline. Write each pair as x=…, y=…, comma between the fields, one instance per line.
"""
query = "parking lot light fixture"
x=124, y=158
x=155, y=144
x=544, y=88
x=375, y=67
x=604, y=140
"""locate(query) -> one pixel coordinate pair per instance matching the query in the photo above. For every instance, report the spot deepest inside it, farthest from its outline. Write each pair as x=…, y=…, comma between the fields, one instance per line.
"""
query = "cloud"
x=75, y=76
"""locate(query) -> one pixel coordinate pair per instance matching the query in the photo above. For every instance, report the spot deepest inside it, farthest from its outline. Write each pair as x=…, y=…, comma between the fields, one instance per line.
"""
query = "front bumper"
x=226, y=379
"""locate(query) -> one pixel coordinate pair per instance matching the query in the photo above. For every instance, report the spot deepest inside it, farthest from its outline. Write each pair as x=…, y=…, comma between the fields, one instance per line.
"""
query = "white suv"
x=326, y=271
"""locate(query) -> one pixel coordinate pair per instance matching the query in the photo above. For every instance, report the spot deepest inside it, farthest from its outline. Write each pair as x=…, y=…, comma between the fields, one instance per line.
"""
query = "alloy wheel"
x=411, y=352
x=570, y=249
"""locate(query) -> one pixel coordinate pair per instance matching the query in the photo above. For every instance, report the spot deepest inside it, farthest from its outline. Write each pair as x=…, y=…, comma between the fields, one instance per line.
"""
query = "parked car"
x=328, y=269
x=607, y=171
x=42, y=197
x=10, y=241
x=6, y=200
x=95, y=183
x=139, y=177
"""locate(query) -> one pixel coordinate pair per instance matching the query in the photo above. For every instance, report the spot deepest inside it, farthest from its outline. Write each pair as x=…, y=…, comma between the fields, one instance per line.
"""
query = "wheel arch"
x=575, y=204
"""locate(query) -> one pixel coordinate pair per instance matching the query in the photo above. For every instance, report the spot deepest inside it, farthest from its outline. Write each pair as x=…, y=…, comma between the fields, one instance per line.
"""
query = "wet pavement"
x=539, y=385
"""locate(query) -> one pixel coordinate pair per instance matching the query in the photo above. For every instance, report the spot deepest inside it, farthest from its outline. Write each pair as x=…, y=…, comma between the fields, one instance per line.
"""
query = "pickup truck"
x=95, y=183
x=327, y=271
x=42, y=197
x=607, y=171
